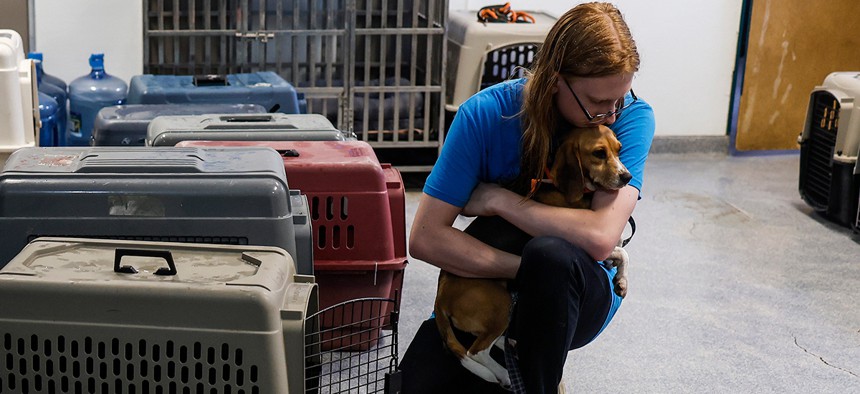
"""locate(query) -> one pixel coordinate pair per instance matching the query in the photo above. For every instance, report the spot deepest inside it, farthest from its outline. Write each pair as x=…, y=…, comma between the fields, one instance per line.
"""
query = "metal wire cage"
x=331, y=365
x=373, y=67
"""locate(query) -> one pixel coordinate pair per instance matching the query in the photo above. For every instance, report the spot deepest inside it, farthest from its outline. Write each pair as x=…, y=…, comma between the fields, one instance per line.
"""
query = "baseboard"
x=690, y=144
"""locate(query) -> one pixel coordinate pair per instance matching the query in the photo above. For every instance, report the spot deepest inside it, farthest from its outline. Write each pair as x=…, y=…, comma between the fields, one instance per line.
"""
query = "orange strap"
x=535, y=183
x=521, y=17
x=502, y=13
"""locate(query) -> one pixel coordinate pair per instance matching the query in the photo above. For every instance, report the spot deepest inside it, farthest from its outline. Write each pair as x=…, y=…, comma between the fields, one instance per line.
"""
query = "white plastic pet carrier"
x=19, y=99
x=483, y=54
x=829, y=144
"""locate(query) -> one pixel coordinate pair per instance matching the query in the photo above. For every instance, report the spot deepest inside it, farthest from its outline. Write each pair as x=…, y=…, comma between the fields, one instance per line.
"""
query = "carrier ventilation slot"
x=337, y=238
x=61, y=364
x=822, y=141
x=507, y=62
x=329, y=207
x=325, y=209
x=209, y=239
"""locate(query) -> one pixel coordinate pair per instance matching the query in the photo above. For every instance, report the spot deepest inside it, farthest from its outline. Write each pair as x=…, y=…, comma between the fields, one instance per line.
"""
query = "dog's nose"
x=626, y=177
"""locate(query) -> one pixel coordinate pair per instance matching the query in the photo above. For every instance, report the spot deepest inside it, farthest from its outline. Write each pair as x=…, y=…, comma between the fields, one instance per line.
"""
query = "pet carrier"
x=262, y=88
x=223, y=196
x=19, y=97
x=358, y=216
x=87, y=315
x=126, y=124
x=371, y=66
x=481, y=54
x=829, y=178
x=170, y=130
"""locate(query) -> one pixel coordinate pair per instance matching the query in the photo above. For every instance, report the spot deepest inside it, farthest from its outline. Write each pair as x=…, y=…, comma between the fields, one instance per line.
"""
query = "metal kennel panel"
x=399, y=76
x=303, y=41
x=184, y=37
x=307, y=43
x=373, y=67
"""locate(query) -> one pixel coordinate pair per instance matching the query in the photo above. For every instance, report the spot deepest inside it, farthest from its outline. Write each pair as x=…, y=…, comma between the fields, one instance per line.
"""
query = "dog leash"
x=632, y=231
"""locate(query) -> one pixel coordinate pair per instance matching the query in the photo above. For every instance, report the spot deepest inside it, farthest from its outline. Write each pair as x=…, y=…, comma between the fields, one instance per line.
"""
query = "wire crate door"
x=306, y=42
x=352, y=347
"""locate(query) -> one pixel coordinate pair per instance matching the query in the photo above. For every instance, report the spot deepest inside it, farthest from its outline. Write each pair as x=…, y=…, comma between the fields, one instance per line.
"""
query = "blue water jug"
x=87, y=95
x=49, y=134
x=45, y=76
x=59, y=95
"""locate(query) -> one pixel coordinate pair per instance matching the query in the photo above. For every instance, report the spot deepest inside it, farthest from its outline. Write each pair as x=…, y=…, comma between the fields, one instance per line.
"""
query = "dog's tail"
x=443, y=323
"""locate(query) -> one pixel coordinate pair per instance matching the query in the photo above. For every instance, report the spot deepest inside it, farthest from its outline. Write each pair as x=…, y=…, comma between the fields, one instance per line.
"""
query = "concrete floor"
x=736, y=286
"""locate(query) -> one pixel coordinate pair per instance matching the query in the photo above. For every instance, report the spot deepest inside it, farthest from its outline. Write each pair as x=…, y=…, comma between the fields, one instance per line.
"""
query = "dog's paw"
x=621, y=286
x=617, y=258
x=505, y=383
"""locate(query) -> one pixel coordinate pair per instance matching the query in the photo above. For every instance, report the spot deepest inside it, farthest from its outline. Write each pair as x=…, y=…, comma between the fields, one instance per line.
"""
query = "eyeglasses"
x=620, y=105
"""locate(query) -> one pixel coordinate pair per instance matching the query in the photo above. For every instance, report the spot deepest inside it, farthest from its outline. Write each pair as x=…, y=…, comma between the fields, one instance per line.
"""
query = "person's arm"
x=596, y=230
x=433, y=240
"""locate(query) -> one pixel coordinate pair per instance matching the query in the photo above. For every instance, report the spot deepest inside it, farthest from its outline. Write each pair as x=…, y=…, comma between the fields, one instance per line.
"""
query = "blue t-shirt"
x=483, y=144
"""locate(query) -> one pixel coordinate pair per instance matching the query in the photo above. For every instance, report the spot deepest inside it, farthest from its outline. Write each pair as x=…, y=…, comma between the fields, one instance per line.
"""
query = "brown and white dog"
x=586, y=160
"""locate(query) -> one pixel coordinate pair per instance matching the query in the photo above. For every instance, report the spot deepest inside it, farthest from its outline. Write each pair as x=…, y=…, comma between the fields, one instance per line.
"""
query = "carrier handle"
x=210, y=80
x=128, y=269
x=288, y=152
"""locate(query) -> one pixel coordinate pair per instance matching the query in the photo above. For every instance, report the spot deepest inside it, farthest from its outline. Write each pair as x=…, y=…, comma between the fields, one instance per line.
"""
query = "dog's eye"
x=600, y=154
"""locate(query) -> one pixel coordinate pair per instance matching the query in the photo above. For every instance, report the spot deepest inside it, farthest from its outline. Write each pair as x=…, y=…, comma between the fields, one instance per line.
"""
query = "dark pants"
x=563, y=300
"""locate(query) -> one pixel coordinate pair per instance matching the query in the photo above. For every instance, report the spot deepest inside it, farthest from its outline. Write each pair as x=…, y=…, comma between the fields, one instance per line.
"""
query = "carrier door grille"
x=817, y=178
x=507, y=62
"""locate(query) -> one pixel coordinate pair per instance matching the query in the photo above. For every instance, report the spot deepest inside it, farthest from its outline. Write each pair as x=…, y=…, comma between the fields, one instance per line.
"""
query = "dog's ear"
x=568, y=170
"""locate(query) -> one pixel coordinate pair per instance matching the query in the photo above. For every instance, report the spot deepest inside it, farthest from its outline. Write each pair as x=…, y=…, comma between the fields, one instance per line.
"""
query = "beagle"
x=586, y=160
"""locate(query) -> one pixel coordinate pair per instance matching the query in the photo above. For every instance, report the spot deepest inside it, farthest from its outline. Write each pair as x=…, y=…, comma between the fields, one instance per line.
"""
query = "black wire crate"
x=355, y=357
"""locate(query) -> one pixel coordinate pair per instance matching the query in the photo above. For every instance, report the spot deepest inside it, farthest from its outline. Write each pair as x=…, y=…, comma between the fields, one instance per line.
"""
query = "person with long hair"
x=500, y=139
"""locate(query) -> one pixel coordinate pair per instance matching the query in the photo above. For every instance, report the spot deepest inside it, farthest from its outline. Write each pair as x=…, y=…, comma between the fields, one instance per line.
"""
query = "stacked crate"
x=358, y=219
x=140, y=202
x=216, y=196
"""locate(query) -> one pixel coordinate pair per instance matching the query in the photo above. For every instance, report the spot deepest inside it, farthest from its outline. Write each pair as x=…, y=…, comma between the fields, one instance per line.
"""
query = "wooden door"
x=792, y=46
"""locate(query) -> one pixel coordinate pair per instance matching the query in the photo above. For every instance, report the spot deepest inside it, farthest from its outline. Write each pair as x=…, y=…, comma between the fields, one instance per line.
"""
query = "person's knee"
x=549, y=259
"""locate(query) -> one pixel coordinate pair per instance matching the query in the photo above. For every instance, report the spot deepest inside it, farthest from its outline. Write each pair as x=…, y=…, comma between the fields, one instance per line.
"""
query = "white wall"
x=68, y=31
x=687, y=49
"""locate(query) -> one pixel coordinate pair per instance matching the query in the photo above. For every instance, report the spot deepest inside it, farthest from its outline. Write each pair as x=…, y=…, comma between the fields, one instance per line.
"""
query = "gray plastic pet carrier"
x=829, y=174
x=214, y=195
x=170, y=130
x=121, y=125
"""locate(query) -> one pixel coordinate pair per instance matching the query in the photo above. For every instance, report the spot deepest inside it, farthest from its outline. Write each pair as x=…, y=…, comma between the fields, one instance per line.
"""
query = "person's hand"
x=480, y=201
